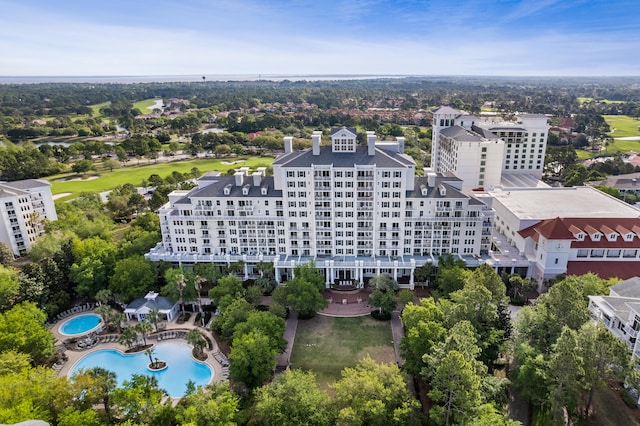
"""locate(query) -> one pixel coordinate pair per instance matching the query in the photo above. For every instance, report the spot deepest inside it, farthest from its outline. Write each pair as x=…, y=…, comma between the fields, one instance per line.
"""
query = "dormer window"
x=263, y=190
x=612, y=237
x=580, y=236
x=227, y=190
x=628, y=237
x=596, y=237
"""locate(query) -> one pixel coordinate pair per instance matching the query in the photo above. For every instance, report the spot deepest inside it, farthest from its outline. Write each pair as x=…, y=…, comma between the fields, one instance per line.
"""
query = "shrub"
x=381, y=316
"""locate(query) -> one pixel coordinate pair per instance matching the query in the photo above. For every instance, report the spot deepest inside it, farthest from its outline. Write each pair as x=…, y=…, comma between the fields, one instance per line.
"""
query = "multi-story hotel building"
x=356, y=210
x=484, y=151
x=24, y=207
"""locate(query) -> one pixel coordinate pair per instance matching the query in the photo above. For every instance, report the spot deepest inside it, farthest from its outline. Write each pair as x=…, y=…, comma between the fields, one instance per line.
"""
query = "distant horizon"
x=249, y=77
x=546, y=38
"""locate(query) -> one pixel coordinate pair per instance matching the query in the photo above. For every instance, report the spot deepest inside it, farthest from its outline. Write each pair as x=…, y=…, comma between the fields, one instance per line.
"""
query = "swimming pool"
x=181, y=367
x=79, y=325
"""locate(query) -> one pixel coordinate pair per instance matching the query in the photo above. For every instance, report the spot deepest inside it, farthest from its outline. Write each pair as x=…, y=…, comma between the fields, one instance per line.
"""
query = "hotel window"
x=629, y=253
x=613, y=253
x=597, y=253
x=583, y=253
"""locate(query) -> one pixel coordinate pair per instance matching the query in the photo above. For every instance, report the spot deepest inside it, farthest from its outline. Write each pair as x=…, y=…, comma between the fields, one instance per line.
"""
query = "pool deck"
x=220, y=372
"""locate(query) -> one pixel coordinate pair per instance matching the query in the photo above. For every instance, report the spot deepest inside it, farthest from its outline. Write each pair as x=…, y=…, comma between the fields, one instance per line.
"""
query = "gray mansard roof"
x=26, y=184
x=485, y=133
x=433, y=191
x=339, y=129
x=460, y=134
x=446, y=110
x=360, y=157
x=216, y=189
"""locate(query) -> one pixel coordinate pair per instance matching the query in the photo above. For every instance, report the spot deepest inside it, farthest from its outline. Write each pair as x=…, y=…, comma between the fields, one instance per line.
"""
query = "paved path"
x=397, y=330
x=289, y=336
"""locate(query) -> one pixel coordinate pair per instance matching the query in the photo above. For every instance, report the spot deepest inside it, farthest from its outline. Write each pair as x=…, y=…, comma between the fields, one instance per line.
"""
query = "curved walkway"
x=220, y=371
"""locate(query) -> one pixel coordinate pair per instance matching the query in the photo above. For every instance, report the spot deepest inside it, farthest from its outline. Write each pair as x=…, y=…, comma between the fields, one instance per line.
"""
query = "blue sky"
x=404, y=37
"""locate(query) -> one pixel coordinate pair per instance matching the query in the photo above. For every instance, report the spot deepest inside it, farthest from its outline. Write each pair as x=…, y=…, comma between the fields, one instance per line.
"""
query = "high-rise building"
x=483, y=151
x=25, y=205
x=357, y=211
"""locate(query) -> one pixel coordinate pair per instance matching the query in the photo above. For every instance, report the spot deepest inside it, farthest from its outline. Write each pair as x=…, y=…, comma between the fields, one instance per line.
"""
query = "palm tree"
x=149, y=352
x=103, y=296
x=265, y=269
x=154, y=316
x=105, y=312
x=198, y=285
x=181, y=284
x=106, y=384
x=195, y=338
x=143, y=328
x=118, y=318
x=236, y=267
x=128, y=336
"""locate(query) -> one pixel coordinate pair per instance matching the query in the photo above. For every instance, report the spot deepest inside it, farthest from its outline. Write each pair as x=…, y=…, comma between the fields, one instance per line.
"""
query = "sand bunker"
x=75, y=179
x=60, y=195
x=232, y=162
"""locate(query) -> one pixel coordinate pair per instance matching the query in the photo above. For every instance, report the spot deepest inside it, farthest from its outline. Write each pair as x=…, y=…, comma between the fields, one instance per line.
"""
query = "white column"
x=395, y=270
x=411, y=279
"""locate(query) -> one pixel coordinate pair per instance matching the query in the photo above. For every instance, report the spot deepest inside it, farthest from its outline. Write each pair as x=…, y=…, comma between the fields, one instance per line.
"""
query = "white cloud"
x=55, y=44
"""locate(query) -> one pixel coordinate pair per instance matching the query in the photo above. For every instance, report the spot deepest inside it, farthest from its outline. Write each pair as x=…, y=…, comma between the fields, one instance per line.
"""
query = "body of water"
x=183, y=78
x=79, y=325
x=181, y=367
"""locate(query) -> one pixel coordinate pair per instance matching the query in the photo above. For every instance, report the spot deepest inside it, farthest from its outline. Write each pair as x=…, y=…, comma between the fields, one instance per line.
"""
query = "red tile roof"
x=551, y=229
x=565, y=229
x=606, y=270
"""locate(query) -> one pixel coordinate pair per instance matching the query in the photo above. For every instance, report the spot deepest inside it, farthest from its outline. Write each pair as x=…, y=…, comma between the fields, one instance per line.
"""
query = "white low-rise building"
x=25, y=206
x=567, y=231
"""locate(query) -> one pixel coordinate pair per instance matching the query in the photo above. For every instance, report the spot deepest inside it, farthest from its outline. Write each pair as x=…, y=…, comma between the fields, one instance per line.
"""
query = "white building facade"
x=482, y=150
x=566, y=231
x=357, y=211
x=25, y=206
x=620, y=314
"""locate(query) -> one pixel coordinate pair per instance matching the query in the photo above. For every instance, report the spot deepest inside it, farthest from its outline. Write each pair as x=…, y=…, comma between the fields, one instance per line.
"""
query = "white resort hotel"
x=359, y=211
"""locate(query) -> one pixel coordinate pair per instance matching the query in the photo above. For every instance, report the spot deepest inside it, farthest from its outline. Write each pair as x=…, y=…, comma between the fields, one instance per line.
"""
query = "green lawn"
x=145, y=106
x=135, y=174
x=97, y=107
x=584, y=155
x=326, y=345
x=622, y=125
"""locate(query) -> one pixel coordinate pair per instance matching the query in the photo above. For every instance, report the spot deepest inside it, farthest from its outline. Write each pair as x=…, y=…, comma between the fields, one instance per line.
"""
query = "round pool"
x=79, y=325
x=181, y=366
